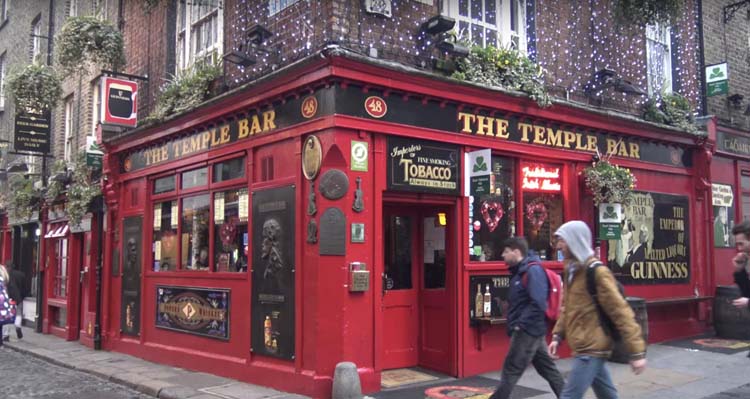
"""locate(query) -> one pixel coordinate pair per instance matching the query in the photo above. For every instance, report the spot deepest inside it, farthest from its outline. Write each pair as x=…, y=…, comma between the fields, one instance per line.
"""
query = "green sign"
x=94, y=160
x=717, y=80
x=359, y=156
x=609, y=231
x=716, y=88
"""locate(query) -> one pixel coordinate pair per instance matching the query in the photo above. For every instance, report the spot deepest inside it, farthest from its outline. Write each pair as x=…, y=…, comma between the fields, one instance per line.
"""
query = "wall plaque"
x=332, y=232
x=130, y=304
x=199, y=311
x=312, y=155
x=423, y=166
x=334, y=184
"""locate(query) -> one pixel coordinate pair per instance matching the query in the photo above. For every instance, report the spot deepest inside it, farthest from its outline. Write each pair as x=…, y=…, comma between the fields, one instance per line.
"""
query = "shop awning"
x=60, y=231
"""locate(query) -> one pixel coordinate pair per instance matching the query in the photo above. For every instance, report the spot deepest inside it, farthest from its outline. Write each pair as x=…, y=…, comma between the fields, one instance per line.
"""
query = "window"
x=99, y=8
x=68, y=152
x=491, y=22
x=745, y=189
x=201, y=231
x=96, y=105
x=199, y=31
x=4, y=6
x=72, y=8
x=659, y=59
x=275, y=6
x=542, y=207
x=492, y=212
x=61, y=270
x=2, y=81
x=36, y=40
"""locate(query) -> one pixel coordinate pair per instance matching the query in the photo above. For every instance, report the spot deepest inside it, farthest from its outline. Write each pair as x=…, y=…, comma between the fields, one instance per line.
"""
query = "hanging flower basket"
x=648, y=12
x=35, y=87
x=89, y=40
x=609, y=183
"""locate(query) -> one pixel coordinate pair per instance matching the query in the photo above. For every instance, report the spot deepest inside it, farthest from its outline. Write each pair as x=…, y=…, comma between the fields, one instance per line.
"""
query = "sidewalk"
x=153, y=379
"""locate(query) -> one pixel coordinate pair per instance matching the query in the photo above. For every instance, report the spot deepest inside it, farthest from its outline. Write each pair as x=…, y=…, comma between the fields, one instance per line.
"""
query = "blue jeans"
x=588, y=372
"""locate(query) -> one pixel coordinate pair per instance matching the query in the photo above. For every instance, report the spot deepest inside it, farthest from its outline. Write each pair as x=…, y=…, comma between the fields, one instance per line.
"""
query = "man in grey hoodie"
x=590, y=343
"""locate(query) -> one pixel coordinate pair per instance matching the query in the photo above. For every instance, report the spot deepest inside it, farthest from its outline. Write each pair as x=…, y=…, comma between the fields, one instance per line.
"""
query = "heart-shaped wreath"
x=537, y=213
x=492, y=212
x=228, y=232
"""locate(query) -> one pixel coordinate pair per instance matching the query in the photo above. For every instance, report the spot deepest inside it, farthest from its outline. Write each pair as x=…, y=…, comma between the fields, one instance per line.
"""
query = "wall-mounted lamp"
x=735, y=101
x=244, y=55
x=453, y=48
x=438, y=24
x=18, y=168
x=240, y=57
x=605, y=78
x=258, y=34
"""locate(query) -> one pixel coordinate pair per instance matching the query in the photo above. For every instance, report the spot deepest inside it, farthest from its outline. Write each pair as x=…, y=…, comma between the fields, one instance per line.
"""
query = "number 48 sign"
x=376, y=107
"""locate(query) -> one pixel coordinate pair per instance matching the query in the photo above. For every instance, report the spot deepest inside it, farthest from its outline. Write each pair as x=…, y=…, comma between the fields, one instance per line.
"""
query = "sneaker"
x=19, y=332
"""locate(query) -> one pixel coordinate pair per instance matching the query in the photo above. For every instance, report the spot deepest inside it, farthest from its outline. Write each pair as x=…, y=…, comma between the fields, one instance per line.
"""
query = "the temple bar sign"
x=120, y=102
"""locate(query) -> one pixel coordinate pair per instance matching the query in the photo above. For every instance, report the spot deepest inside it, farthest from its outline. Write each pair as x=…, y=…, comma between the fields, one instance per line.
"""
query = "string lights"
x=574, y=39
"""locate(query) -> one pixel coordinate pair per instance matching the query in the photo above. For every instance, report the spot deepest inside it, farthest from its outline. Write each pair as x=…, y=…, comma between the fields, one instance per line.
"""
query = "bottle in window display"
x=487, y=302
x=479, y=302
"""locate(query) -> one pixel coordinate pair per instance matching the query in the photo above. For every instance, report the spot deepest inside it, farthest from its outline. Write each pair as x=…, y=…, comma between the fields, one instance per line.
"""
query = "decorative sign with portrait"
x=722, y=199
x=654, y=245
x=273, y=241
x=199, y=311
x=130, y=304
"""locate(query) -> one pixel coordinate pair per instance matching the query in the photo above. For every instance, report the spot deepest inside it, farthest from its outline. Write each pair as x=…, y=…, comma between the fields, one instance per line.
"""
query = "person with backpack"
x=741, y=263
x=580, y=322
x=527, y=325
x=16, y=292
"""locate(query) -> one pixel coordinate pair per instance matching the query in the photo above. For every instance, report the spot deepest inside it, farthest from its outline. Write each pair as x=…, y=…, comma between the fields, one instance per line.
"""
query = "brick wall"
x=729, y=43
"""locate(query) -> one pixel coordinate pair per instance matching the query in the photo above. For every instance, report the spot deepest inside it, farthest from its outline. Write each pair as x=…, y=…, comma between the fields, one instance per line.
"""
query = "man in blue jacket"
x=527, y=324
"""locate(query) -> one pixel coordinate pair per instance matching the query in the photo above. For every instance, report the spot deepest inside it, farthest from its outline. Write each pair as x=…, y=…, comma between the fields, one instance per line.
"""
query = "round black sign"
x=334, y=184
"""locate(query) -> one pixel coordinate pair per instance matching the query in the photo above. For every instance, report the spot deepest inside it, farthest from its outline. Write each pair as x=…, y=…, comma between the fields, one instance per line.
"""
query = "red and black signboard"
x=199, y=311
x=32, y=132
x=272, y=312
x=423, y=166
x=120, y=102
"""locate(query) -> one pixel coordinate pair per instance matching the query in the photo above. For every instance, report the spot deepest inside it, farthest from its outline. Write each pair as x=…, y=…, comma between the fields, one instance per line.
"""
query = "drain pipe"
x=100, y=213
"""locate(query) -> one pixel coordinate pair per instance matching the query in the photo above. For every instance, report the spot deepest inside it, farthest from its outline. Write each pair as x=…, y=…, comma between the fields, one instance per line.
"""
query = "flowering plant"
x=609, y=183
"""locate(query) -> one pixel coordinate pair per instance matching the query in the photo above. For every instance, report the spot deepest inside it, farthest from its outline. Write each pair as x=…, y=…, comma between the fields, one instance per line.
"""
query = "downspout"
x=702, y=60
x=100, y=213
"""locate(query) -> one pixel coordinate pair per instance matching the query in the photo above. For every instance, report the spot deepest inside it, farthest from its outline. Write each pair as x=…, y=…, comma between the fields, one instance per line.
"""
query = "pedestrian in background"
x=17, y=292
x=526, y=323
x=741, y=233
x=4, y=296
x=585, y=334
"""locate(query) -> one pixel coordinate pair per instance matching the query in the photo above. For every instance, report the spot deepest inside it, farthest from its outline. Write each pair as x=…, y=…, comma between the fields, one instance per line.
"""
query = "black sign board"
x=654, y=246
x=423, y=166
x=733, y=144
x=499, y=287
x=332, y=232
x=32, y=132
x=130, y=305
x=272, y=310
x=199, y=311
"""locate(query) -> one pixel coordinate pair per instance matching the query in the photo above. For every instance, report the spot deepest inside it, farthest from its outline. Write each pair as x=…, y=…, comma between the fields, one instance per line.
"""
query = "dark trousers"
x=525, y=349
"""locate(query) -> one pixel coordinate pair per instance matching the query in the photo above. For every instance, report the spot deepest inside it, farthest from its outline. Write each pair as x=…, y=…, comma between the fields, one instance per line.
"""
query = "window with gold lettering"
x=201, y=230
x=541, y=186
x=492, y=210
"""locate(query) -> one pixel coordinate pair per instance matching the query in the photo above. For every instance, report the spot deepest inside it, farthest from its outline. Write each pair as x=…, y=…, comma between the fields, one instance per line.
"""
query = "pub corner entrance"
x=418, y=296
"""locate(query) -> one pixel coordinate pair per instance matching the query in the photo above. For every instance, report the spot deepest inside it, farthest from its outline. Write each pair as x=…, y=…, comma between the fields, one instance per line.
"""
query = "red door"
x=400, y=289
x=418, y=269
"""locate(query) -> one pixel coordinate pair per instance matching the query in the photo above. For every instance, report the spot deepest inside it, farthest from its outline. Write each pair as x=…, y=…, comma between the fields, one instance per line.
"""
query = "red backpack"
x=554, y=296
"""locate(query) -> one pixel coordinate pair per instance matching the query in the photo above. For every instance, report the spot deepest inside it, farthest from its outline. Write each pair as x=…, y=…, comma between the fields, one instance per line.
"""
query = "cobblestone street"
x=28, y=377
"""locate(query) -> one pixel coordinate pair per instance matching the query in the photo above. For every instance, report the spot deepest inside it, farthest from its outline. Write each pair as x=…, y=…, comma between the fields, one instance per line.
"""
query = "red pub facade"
x=346, y=210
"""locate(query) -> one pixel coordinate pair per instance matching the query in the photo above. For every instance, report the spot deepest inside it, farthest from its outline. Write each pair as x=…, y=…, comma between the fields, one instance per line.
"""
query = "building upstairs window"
x=200, y=31
x=72, y=8
x=96, y=105
x=499, y=23
x=659, y=59
x=276, y=6
x=68, y=151
x=36, y=39
x=3, y=71
x=4, y=6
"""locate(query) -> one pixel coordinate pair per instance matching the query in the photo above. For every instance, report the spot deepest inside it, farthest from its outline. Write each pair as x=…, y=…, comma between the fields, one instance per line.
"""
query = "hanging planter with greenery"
x=24, y=199
x=89, y=40
x=609, y=183
x=648, y=12
x=81, y=191
x=35, y=87
x=185, y=91
x=505, y=68
x=56, y=186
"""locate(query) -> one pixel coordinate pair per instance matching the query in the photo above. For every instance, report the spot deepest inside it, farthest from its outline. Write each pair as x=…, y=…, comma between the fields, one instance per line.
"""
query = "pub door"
x=417, y=306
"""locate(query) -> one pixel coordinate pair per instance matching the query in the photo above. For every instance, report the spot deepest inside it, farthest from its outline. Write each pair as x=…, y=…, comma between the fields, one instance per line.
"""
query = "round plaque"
x=334, y=184
x=312, y=154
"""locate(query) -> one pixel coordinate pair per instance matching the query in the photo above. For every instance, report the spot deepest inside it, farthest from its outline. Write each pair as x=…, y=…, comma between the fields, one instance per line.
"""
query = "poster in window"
x=723, y=203
x=654, y=245
x=273, y=241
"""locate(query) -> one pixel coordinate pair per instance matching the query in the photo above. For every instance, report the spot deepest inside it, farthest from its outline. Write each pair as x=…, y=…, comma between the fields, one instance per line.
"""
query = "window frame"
x=277, y=6
x=72, y=8
x=2, y=80
x=4, y=7
x=96, y=106
x=504, y=16
x=179, y=194
x=69, y=137
x=185, y=28
x=36, y=42
x=659, y=35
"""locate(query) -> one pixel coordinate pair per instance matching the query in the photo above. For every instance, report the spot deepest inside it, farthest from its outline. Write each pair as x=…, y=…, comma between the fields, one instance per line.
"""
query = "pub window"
x=745, y=186
x=194, y=232
x=164, y=184
x=542, y=206
x=493, y=213
x=164, y=246
x=230, y=231
x=195, y=178
x=490, y=22
x=228, y=170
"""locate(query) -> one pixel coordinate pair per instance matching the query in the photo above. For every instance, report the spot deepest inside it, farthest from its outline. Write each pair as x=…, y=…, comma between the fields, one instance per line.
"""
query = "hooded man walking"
x=526, y=320
x=579, y=322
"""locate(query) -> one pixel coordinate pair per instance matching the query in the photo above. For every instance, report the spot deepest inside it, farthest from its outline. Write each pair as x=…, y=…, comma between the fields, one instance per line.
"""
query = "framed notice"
x=32, y=132
x=198, y=311
x=423, y=166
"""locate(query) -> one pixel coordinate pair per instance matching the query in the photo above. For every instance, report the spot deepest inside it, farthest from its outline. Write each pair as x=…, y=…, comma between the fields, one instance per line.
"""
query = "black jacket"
x=528, y=302
x=16, y=285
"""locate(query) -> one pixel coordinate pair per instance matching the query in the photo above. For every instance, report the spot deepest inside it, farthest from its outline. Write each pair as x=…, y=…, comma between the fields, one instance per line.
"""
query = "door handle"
x=82, y=273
